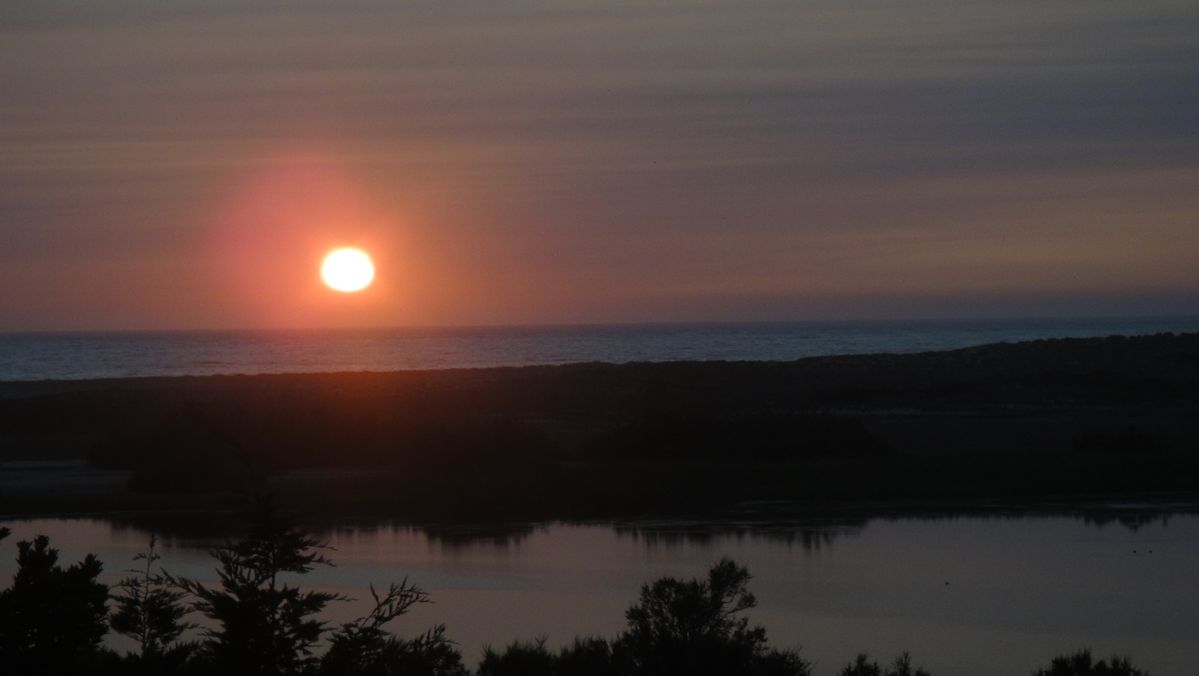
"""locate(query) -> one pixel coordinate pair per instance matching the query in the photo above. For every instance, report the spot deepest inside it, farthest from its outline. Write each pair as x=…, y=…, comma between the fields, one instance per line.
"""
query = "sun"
x=347, y=270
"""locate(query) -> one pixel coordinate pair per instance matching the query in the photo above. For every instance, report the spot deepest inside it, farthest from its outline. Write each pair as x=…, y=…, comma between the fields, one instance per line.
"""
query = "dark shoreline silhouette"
x=1056, y=421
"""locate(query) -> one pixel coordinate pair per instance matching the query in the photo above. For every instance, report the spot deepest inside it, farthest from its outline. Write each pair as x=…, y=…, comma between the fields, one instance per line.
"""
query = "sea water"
x=36, y=356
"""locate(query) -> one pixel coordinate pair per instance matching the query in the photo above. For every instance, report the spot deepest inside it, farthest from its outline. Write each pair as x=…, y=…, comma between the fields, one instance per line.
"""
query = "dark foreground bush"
x=1081, y=664
x=520, y=658
x=364, y=648
x=695, y=627
x=52, y=619
x=584, y=657
x=698, y=627
x=902, y=666
x=589, y=657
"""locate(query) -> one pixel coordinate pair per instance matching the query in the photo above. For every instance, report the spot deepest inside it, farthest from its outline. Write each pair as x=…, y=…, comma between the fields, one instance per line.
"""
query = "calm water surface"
x=36, y=356
x=965, y=595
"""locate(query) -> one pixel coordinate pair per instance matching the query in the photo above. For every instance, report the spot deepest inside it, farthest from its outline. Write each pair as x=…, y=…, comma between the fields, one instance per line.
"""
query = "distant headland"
x=1061, y=419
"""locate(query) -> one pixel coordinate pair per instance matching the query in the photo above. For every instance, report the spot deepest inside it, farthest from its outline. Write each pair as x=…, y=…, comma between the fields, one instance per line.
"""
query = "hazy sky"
x=186, y=164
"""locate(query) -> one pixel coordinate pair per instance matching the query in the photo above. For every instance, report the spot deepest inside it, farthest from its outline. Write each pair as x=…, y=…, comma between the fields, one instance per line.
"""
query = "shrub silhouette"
x=430, y=654
x=590, y=657
x=1081, y=664
x=697, y=627
x=262, y=625
x=364, y=648
x=694, y=627
x=583, y=657
x=521, y=658
x=902, y=666
x=150, y=610
x=265, y=626
x=51, y=618
x=862, y=666
x=778, y=663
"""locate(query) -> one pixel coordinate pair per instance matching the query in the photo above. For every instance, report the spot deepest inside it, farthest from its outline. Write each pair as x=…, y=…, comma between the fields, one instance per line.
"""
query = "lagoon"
x=980, y=594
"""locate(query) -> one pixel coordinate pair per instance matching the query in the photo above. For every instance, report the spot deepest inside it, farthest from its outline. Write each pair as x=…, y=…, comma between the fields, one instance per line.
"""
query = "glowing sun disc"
x=347, y=270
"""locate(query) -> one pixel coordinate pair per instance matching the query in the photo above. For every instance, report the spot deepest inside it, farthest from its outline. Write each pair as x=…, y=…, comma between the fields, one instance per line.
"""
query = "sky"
x=179, y=165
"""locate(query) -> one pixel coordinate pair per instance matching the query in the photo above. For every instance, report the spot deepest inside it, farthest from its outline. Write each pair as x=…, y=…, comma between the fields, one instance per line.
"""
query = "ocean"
x=78, y=355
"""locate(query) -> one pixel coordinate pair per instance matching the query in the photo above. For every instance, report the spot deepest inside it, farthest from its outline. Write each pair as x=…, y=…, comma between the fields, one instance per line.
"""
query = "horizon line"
x=602, y=325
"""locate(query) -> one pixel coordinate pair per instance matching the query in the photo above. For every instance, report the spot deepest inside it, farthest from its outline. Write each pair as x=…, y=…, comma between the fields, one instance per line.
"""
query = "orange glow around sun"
x=275, y=244
x=348, y=270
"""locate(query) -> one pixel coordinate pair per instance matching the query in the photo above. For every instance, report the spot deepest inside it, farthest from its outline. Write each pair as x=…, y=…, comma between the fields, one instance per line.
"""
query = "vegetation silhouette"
x=53, y=619
x=261, y=624
x=1081, y=664
x=364, y=648
x=699, y=627
x=863, y=666
x=523, y=658
x=735, y=437
x=590, y=657
x=1047, y=420
x=695, y=627
x=150, y=610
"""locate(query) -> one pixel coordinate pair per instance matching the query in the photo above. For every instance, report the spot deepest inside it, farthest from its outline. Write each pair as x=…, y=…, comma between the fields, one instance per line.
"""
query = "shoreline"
x=23, y=388
x=36, y=358
x=1128, y=511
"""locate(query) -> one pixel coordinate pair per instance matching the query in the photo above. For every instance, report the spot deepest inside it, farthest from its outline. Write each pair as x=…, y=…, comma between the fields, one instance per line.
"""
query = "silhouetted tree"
x=364, y=648
x=52, y=618
x=697, y=627
x=902, y=666
x=150, y=610
x=590, y=657
x=1081, y=664
x=430, y=654
x=520, y=658
x=263, y=626
x=778, y=663
x=584, y=657
x=862, y=666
